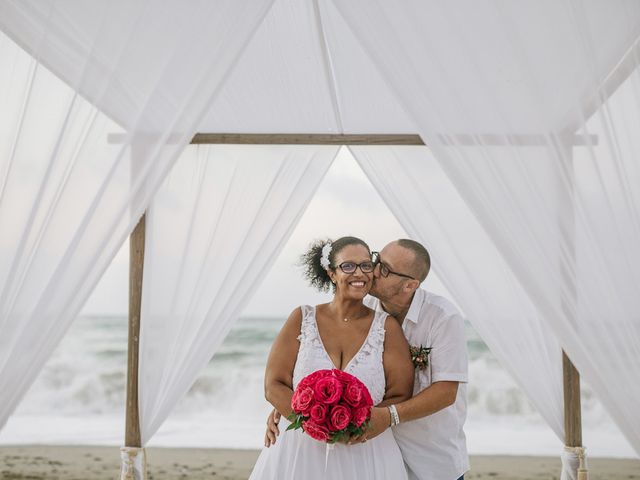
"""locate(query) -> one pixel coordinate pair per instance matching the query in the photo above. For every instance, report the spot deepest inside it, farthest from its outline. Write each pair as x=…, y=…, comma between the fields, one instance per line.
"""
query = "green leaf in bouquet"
x=337, y=436
x=296, y=420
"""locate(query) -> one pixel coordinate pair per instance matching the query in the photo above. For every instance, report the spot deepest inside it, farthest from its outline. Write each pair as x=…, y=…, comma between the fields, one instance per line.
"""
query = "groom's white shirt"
x=434, y=447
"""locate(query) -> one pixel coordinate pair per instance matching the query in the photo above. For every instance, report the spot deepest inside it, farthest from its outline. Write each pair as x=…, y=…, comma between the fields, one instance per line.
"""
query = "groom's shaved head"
x=421, y=263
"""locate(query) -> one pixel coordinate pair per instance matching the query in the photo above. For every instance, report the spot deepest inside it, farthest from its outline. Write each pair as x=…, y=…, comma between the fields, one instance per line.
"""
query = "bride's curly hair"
x=314, y=272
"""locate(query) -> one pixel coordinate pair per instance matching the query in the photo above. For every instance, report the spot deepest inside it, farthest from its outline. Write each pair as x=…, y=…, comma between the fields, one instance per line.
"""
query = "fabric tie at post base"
x=134, y=463
x=574, y=464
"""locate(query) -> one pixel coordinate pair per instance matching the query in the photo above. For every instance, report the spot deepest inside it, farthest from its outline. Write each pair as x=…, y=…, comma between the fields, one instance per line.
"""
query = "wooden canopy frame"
x=571, y=377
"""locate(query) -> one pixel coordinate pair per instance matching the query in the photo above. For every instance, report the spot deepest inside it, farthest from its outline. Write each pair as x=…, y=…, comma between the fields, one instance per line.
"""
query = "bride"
x=346, y=335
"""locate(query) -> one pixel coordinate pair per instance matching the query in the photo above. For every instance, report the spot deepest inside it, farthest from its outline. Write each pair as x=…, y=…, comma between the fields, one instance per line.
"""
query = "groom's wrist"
x=380, y=416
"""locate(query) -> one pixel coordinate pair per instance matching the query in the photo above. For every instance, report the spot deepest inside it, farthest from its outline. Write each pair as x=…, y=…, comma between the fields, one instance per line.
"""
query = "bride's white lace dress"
x=298, y=456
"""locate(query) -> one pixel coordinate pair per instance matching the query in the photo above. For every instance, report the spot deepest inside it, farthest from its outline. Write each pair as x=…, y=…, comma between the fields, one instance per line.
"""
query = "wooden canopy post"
x=134, y=464
x=573, y=415
x=571, y=376
x=572, y=406
x=136, y=267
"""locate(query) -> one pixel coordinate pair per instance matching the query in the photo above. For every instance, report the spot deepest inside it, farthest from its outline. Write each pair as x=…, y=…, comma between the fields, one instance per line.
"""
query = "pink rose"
x=318, y=413
x=344, y=377
x=312, y=378
x=328, y=390
x=353, y=393
x=360, y=414
x=316, y=431
x=366, y=401
x=302, y=399
x=339, y=418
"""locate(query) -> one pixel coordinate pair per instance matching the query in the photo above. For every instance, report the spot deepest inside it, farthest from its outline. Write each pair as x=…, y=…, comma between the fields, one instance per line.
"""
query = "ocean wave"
x=89, y=377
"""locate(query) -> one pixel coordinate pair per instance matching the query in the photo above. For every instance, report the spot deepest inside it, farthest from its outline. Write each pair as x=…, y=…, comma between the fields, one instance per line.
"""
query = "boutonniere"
x=420, y=356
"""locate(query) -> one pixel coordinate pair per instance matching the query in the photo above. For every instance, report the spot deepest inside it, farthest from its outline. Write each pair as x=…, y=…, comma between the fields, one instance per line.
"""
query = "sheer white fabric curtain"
x=82, y=151
x=213, y=230
x=498, y=90
x=428, y=206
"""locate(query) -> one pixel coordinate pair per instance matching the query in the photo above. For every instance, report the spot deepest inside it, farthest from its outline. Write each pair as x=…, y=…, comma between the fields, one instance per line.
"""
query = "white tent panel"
x=501, y=59
x=280, y=84
x=529, y=196
x=135, y=61
x=214, y=229
x=427, y=204
x=68, y=195
x=303, y=72
x=365, y=102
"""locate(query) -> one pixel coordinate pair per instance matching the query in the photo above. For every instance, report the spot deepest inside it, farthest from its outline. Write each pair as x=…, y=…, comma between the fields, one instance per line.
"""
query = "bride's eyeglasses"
x=350, y=267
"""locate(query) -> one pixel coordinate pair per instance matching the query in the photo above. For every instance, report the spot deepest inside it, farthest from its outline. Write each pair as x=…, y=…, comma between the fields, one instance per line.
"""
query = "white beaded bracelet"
x=395, y=419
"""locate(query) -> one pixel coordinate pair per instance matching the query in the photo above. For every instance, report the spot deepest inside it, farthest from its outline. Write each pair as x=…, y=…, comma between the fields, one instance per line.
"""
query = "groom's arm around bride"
x=429, y=426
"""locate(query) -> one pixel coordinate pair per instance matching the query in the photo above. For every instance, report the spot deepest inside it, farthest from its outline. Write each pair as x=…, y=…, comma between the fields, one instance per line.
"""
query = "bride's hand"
x=347, y=441
x=357, y=439
x=272, y=428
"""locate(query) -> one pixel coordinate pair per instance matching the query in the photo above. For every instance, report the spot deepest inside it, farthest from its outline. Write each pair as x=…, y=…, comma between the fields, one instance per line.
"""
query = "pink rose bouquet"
x=331, y=405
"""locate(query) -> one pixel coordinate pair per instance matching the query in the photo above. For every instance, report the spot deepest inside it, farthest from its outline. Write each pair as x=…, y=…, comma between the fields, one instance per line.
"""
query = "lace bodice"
x=366, y=364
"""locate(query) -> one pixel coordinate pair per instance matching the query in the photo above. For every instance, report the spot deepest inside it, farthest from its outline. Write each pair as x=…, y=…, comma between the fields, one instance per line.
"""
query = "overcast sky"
x=345, y=204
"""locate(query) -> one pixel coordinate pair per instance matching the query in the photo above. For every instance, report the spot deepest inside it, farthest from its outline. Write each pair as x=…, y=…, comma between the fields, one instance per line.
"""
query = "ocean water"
x=79, y=398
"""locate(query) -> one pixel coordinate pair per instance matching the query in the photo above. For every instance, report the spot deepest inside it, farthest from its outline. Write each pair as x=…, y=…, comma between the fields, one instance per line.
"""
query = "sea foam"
x=79, y=398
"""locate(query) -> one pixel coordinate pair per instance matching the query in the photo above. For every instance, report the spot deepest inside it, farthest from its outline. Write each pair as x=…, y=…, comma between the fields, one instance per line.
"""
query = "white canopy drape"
x=213, y=230
x=70, y=191
x=430, y=209
x=497, y=89
x=562, y=221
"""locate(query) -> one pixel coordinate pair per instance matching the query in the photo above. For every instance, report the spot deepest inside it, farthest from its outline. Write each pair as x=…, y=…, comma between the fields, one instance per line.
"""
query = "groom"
x=429, y=431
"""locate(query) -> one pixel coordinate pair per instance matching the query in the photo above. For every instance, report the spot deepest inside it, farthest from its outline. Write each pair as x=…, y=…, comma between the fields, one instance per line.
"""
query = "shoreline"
x=53, y=462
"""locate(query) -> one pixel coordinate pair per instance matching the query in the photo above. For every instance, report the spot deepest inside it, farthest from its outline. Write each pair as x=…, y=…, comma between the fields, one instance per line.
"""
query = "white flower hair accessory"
x=324, y=259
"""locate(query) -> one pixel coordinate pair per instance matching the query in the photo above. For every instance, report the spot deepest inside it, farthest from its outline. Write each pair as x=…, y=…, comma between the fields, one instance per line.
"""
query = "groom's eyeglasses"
x=350, y=267
x=384, y=269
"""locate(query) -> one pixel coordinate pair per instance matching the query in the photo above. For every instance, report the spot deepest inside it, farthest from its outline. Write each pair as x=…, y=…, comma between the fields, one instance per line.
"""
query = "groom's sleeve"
x=449, y=358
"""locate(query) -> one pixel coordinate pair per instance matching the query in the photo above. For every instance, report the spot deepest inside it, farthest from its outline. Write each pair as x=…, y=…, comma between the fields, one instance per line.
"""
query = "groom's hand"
x=380, y=421
x=272, y=428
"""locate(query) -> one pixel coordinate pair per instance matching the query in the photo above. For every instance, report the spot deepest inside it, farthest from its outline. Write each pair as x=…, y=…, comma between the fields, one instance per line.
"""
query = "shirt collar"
x=413, y=314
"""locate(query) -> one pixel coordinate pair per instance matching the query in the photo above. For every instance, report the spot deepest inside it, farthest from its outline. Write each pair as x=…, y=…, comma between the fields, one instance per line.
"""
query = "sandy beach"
x=102, y=463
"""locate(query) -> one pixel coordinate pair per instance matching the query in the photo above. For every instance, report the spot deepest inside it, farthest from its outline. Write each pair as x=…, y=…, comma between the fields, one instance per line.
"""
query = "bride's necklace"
x=346, y=319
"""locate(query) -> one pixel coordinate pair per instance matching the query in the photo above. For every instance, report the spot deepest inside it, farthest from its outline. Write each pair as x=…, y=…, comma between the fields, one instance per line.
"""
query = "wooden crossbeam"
x=378, y=139
x=304, y=139
x=464, y=140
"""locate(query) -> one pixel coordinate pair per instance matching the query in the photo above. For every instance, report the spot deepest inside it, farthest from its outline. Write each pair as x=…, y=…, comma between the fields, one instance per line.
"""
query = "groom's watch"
x=395, y=419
